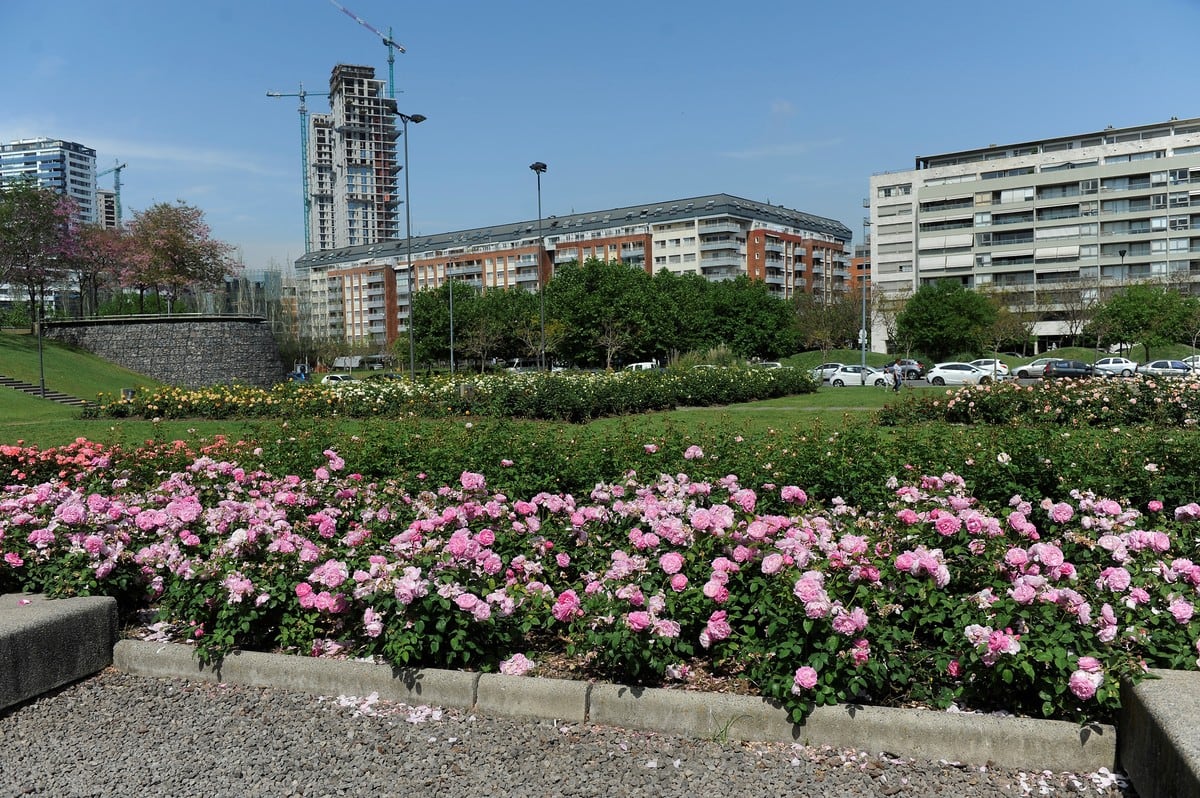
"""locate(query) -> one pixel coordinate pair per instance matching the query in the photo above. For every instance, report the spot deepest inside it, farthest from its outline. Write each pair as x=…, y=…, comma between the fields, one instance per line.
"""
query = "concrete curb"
x=46, y=643
x=1009, y=742
x=1159, y=745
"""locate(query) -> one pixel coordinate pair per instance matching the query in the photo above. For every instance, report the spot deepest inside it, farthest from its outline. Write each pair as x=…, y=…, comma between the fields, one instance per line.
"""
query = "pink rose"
x=805, y=679
x=679, y=582
x=671, y=562
x=638, y=620
x=1084, y=684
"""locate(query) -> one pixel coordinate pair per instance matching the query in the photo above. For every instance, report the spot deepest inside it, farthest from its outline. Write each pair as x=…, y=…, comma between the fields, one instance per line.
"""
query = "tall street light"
x=416, y=119
x=538, y=167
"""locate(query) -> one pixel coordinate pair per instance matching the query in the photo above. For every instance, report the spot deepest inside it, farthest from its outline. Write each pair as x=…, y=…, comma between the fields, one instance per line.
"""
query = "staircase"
x=34, y=390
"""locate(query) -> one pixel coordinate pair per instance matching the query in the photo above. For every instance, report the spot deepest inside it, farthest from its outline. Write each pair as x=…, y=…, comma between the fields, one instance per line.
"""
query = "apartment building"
x=1052, y=225
x=352, y=163
x=363, y=293
x=64, y=166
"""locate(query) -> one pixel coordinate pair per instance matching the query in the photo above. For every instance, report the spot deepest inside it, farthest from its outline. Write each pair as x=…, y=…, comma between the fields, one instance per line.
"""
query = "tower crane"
x=392, y=45
x=116, y=173
x=302, y=94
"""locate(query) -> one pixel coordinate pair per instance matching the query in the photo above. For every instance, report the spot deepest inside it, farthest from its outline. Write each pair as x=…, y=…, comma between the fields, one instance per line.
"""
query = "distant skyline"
x=790, y=103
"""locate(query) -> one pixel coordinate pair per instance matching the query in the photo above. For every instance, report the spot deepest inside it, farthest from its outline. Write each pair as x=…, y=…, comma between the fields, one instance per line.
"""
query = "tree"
x=751, y=321
x=37, y=238
x=945, y=318
x=826, y=325
x=103, y=254
x=1144, y=313
x=174, y=251
x=886, y=308
x=605, y=308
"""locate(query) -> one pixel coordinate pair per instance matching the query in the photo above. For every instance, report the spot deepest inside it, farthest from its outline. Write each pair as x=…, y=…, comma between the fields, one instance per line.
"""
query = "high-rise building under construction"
x=352, y=163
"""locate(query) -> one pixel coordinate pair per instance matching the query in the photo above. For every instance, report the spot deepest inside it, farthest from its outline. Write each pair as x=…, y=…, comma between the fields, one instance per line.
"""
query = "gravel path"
x=120, y=735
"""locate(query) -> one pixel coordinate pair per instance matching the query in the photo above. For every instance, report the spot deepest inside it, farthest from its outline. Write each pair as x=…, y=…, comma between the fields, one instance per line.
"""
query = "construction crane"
x=116, y=173
x=302, y=94
x=392, y=45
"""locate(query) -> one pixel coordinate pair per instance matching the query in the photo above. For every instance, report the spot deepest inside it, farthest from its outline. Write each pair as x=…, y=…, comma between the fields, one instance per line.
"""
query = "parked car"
x=645, y=365
x=1116, y=366
x=912, y=369
x=1193, y=362
x=998, y=368
x=336, y=379
x=957, y=374
x=1033, y=371
x=824, y=371
x=1165, y=368
x=1068, y=369
x=859, y=375
x=768, y=364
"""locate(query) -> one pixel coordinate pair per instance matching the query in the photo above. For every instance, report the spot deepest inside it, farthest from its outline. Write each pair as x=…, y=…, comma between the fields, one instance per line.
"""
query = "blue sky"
x=795, y=103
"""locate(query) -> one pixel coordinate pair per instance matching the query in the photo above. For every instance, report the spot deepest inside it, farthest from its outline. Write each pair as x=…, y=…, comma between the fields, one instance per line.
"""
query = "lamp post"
x=538, y=168
x=1121, y=252
x=416, y=119
x=450, y=285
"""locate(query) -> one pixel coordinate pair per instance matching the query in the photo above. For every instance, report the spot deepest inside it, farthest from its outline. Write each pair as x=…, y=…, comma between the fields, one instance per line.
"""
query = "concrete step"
x=46, y=643
x=36, y=390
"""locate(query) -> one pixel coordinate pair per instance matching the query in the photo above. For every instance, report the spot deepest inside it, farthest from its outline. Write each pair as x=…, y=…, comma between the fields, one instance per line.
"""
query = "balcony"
x=721, y=227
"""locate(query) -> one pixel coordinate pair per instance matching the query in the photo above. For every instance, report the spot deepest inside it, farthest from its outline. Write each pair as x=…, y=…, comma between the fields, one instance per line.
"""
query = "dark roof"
x=708, y=205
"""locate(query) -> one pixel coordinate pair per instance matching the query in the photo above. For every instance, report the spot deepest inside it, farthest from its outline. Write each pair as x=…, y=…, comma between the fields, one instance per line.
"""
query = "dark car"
x=1068, y=369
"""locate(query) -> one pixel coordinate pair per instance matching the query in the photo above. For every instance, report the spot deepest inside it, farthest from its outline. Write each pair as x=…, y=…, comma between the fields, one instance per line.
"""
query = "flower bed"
x=928, y=596
x=1102, y=402
x=564, y=396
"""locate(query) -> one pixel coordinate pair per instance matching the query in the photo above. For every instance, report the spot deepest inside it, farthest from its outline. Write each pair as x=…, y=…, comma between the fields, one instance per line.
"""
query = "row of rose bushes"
x=560, y=396
x=1097, y=402
x=1036, y=606
x=851, y=462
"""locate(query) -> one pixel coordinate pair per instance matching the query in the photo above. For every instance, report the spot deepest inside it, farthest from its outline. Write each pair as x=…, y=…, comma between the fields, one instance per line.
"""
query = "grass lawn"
x=71, y=371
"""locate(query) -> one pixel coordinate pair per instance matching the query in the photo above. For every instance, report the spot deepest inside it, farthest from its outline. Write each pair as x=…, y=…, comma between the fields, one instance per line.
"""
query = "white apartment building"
x=352, y=163
x=1054, y=225
x=64, y=166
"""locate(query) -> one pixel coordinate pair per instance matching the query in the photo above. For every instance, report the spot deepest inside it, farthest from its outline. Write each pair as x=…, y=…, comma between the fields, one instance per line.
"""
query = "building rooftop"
x=707, y=205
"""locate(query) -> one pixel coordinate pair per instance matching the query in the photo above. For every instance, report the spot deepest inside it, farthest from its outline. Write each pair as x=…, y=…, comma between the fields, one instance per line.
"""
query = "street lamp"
x=538, y=167
x=1121, y=252
x=416, y=119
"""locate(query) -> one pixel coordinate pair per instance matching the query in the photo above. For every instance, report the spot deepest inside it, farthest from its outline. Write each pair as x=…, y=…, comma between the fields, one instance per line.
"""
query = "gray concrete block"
x=974, y=739
x=46, y=643
x=522, y=696
x=1160, y=741
x=307, y=674
x=717, y=716
x=1022, y=743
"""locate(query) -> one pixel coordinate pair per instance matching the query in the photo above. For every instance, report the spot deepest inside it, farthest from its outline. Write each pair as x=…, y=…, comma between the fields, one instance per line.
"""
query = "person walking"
x=897, y=376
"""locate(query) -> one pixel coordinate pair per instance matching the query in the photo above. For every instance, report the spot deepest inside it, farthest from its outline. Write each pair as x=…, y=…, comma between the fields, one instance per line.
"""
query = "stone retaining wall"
x=190, y=351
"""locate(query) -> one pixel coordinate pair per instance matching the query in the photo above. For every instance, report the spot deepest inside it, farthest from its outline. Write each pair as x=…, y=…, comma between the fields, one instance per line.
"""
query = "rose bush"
x=563, y=396
x=1038, y=605
x=1099, y=402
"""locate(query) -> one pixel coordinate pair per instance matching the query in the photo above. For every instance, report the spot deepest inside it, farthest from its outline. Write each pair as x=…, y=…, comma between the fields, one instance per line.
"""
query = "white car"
x=859, y=375
x=957, y=374
x=336, y=379
x=824, y=371
x=1116, y=366
x=991, y=365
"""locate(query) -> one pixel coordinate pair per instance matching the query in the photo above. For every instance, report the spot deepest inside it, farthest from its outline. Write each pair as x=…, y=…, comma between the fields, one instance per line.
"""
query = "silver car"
x=1165, y=368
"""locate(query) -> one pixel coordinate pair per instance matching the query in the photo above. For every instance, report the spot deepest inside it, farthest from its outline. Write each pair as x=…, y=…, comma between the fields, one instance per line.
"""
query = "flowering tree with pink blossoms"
x=175, y=251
